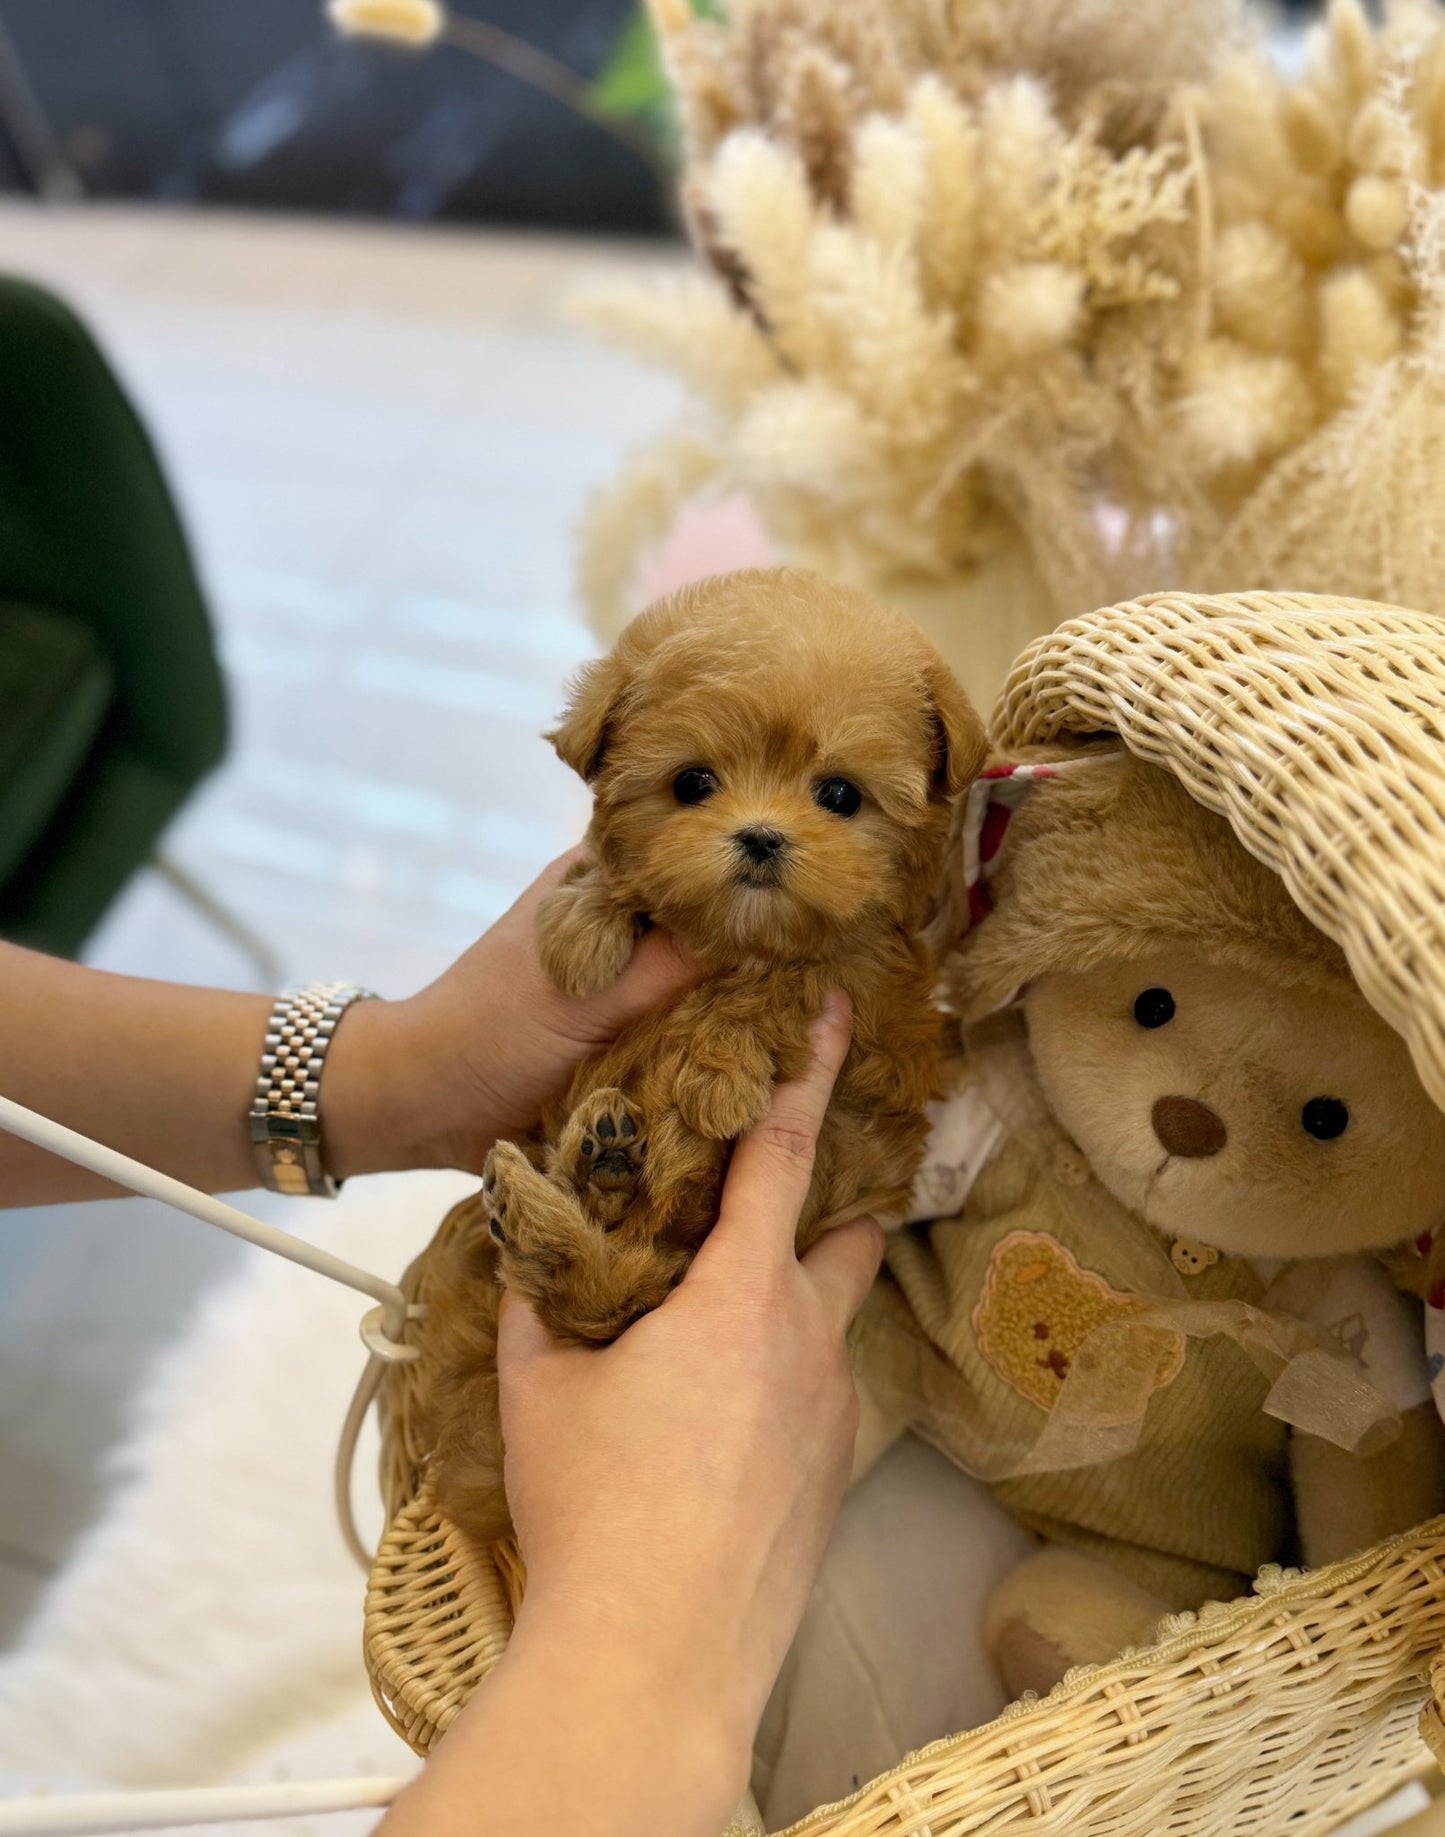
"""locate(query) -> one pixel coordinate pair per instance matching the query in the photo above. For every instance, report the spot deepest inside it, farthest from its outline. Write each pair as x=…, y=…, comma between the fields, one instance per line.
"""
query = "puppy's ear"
x=961, y=747
x=595, y=704
x=580, y=737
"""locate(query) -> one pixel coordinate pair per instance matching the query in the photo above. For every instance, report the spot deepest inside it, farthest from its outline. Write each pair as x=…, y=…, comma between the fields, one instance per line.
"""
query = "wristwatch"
x=285, y=1116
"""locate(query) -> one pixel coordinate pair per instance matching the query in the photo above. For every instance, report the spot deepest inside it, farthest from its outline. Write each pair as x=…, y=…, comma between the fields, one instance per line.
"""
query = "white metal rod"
x=100, y=1813
x=120, y=1168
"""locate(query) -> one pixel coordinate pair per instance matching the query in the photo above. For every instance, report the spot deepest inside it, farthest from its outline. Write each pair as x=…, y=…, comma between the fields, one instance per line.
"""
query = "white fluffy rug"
x=208, y=1629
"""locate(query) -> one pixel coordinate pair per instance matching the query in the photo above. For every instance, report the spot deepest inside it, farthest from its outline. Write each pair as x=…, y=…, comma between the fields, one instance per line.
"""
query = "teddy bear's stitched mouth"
x=1155, y=1205
x=1147, y=1197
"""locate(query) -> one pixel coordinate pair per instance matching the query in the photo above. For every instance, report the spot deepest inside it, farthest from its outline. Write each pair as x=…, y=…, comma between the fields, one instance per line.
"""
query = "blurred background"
x=263, y=105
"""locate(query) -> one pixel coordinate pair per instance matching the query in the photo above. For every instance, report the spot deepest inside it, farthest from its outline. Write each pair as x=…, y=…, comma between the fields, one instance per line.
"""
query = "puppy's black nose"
x=760, y=845
x=1187, y=1127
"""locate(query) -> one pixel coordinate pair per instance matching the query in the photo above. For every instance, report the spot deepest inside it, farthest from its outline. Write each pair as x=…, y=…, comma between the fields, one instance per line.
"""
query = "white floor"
x=381, y=440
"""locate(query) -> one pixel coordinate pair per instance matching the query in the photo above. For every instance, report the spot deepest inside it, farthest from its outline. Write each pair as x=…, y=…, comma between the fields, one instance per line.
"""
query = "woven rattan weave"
x=1317, y=727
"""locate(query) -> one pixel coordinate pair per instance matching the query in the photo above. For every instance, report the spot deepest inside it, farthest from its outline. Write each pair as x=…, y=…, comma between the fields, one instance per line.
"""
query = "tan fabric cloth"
x=970, y=1336
x=890, y=1652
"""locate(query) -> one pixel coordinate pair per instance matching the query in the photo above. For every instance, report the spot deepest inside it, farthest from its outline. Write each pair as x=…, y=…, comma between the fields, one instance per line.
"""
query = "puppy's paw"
x=546, y=1240
x=583, y=940
x=499, y=1178
x=602, y=1150
x=606, y=1293
x=587, y=1286
x=720, y=1105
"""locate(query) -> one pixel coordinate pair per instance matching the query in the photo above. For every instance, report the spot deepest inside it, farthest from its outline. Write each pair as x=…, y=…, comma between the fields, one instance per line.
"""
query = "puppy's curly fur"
x=727, y=740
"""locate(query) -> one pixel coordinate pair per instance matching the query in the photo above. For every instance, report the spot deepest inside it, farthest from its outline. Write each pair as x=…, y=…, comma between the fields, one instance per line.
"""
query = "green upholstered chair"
x=111, y=701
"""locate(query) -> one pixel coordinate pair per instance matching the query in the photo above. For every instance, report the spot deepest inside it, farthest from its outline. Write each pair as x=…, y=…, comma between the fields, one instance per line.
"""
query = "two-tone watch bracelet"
x=285, y=1115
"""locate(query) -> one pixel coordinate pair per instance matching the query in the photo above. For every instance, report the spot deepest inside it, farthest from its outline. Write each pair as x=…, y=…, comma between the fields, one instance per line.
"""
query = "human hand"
x=436, y=1079
x=673, y=1493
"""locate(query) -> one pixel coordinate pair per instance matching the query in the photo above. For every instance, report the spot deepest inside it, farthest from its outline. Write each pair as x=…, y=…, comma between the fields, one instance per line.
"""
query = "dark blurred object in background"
x=112, y=708
x=260, y=103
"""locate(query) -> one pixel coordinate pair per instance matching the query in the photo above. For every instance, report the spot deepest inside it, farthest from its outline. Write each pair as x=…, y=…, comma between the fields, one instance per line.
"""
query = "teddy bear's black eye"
x=839, y=796
x=1324, y=1118
x=694, y=786
x=1154, y=1008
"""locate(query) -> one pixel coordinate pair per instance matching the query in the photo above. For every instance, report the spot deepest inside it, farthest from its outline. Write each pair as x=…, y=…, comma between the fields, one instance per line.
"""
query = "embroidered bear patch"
x=1037, y=1308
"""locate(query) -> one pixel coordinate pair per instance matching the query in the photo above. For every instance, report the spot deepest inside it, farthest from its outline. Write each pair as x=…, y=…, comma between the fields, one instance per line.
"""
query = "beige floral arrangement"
x=1315, y=409
x=1010, y=307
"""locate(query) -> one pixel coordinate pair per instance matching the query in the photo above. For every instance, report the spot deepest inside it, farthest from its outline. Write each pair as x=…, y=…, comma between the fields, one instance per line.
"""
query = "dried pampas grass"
x=1331, y=259
x=933, y=302
x=1311, y=184
x=1008, y=307
x=1354, y=509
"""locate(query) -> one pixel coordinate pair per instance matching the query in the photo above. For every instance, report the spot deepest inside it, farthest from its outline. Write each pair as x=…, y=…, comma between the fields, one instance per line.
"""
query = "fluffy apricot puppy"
x=772, y=760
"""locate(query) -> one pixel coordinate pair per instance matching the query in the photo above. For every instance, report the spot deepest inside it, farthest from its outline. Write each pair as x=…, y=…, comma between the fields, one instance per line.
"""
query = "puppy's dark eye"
x=694, y=786
x=1324, y=1118
x=1154, y=1008
x=838, y=796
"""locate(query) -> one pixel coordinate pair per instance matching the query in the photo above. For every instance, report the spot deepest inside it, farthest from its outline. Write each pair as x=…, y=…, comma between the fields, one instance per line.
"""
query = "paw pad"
x=610, y=1144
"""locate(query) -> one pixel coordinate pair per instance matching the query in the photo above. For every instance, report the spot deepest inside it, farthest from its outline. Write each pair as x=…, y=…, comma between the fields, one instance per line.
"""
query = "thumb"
x=843, y=1264
x=658, y=970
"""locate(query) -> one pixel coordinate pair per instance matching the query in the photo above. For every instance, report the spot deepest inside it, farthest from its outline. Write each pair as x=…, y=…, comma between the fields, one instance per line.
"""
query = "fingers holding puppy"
x=772, y=1166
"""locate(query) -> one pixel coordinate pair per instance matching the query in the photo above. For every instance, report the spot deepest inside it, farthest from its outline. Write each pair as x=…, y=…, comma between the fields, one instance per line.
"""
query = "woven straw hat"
x=1316, y=727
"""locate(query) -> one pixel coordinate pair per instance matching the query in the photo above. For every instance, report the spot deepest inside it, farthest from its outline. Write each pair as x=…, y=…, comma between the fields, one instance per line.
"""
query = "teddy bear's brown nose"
x=1187, y=1127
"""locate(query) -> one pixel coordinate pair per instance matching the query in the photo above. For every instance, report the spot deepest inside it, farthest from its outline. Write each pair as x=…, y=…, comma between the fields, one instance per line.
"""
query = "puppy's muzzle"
x=763, y=851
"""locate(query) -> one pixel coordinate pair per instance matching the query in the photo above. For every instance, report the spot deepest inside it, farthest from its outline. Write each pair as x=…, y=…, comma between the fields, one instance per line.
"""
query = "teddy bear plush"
x=1159, y=1323
x=773, y=762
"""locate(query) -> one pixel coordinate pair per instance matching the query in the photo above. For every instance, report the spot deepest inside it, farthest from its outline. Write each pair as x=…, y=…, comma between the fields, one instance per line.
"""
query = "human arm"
x=165, y=1072
x=673, y=1496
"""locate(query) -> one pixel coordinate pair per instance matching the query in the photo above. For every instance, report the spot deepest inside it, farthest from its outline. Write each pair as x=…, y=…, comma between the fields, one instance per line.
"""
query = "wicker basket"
x=1317, y=727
